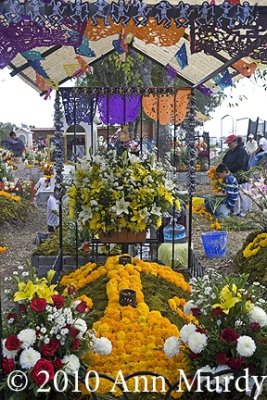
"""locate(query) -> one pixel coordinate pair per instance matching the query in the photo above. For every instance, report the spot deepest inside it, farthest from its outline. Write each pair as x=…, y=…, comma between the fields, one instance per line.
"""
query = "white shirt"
x=263, y=144
x=251, y=146
x=52, y=206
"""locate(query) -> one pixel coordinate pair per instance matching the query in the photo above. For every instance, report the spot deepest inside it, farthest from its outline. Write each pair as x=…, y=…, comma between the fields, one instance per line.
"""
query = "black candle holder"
x=127, y=297
x=125, y=260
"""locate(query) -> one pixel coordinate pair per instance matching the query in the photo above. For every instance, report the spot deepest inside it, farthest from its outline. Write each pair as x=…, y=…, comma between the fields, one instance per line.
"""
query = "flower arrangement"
x=137, y=333
x=10, y=196
x=215, y=181
x=178, y=155
x=45, y=331
x=22, y=188
x=231, y=328
x=47, y=169
x=115, y=192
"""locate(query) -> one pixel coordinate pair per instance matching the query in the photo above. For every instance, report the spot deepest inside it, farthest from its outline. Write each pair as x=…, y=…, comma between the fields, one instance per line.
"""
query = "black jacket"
x=236, y=159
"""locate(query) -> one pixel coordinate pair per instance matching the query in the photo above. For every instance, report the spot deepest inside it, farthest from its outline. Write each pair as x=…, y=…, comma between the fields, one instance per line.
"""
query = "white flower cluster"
x=258, y=315
x=196, y=341
x=102, y=346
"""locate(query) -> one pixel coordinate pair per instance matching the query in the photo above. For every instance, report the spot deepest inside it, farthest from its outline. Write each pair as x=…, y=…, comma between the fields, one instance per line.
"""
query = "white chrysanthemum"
x=171, y=346
x=80, y=324
x=29, y=358
x=8, y=353
x=197, y=342
x=186, y=331
x=245, y=346
x=102, y=346
x=72, y=364
x=257, y=314
x=188, y=307
x=27, y=338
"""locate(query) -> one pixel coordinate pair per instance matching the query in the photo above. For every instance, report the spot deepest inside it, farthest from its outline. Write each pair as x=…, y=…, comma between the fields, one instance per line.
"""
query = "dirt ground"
x=19, y=239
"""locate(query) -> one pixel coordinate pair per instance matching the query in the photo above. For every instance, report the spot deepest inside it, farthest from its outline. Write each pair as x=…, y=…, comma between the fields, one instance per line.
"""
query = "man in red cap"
x=237, y=160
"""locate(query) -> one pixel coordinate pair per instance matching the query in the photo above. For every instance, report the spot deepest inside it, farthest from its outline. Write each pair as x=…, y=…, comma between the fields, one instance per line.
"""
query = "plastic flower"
x=72, y=364
x=27, y=338
x=28, y=358
x=171, y=346
x=102, y=346
x=245, y=346
x=258, y=315
x=197, y=342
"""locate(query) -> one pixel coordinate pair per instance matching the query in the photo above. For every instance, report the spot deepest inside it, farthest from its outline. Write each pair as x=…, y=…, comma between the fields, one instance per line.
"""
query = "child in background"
x=229, y=194
x=52, y=217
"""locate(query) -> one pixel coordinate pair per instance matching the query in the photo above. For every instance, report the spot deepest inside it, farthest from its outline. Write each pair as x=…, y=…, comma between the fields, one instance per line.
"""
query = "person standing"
x=16, y=145
x=251, y=147
x=261, y=151
x=237, y=160
x=52, y=217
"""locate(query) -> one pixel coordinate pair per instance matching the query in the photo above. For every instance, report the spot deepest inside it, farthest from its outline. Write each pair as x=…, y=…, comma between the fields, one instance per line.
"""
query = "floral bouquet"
x=215, y=182
x=45, y=336
x=229, y=335
x=112, y=193
x=47, y=170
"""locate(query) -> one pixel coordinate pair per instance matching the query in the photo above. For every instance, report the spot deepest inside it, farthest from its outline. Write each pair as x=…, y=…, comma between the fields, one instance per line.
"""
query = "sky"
x=20, y=104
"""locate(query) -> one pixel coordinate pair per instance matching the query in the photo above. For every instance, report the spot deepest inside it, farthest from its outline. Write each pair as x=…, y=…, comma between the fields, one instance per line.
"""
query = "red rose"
x=58, y=300
x=73, y=331
x=22, y=308
x=81, y=307
x=38, y=305
x=12, y=343
x=229, y=335
x=221, y=358
x=12, y=315
x=254, y=326
x=217, y=311
x=195, y=311
x=8, y=365
x=38, y=376
x=50, y=348
x=235, y=363
x=58, y=364
x=75, y=344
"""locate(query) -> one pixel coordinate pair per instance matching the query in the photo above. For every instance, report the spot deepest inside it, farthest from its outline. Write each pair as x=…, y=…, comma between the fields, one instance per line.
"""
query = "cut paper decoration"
x=244, y=68
x=32, y=55
x=117, y=46
x=36, y=65
x=116, y=109
x=41, y=83
x=84, y=48
x=181, y=57
x=70, y=69
x=78, y=107
x=204, y=90
x=83, y=64
x=171, y=71
x=223, y=80
x=167, y=108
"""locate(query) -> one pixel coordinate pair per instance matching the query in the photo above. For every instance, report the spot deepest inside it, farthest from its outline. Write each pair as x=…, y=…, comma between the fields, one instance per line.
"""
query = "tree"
x=5, y=129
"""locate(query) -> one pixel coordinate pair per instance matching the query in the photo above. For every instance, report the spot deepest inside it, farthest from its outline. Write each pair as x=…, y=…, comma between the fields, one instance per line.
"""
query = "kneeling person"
x=230, y=193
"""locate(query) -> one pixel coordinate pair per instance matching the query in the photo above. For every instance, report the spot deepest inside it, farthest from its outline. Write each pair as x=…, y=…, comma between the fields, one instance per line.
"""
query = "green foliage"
x=11, y=211
x=5, y=129
x=237, y=224
x=255, y=266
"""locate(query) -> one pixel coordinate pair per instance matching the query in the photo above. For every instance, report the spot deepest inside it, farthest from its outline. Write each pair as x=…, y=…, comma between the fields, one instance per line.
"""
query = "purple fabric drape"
x=118, y=109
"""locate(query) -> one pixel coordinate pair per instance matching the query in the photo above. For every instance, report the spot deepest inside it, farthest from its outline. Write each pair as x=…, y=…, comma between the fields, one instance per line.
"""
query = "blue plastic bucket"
x=215, y=243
